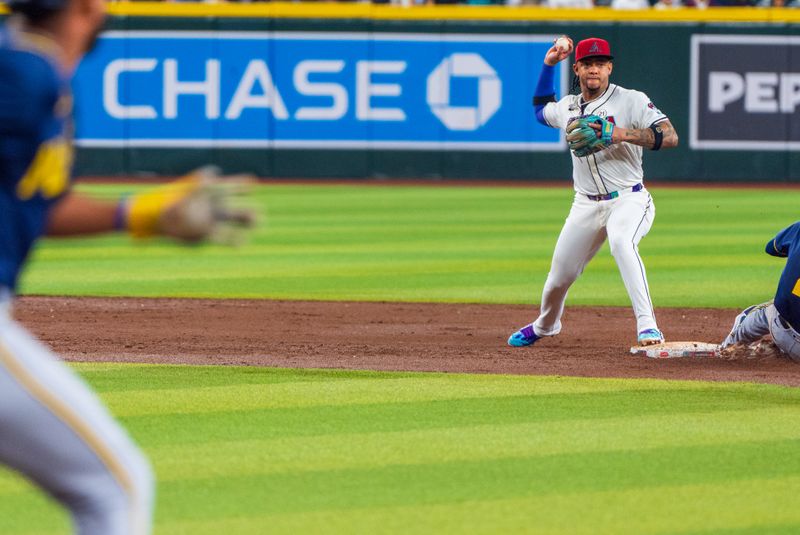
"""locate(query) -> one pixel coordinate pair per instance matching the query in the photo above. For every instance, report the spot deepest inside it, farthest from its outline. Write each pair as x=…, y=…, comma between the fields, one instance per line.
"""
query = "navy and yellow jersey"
x=787, y=298
x=35, y=144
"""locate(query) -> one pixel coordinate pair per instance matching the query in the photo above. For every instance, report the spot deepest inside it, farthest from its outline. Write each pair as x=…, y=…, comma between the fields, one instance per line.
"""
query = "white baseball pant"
x=624, y=221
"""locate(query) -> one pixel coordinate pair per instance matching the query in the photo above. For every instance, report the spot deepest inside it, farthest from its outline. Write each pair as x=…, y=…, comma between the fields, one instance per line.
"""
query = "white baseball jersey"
x=620, y=165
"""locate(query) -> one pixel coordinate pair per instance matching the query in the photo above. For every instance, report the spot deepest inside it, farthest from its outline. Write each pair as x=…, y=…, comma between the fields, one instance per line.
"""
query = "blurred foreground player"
x=52, y=427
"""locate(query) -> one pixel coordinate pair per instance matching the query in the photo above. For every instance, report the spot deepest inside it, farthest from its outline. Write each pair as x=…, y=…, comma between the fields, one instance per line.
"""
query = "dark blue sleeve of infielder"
x=785, y=241
x=545, y=91
x=787, y=296
x=27, y=94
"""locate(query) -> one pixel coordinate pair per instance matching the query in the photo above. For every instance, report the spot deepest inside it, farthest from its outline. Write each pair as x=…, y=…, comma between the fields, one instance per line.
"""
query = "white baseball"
x=562, y=43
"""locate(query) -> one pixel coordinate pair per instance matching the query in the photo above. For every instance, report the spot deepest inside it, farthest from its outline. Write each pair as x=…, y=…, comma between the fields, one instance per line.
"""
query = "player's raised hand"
x=561, y=49
x=194, y=208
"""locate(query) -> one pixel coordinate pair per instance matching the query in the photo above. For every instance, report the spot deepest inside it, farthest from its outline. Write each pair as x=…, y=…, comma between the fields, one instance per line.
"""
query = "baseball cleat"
x=523, y=337
x=650, y=337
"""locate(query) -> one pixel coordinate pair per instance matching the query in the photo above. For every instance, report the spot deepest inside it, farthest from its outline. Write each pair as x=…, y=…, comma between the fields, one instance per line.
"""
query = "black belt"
x=614, y=194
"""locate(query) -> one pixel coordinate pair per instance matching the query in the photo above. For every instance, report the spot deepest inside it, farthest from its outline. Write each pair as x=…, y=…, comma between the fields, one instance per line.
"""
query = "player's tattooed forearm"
x=642, y=137
x=645, y=137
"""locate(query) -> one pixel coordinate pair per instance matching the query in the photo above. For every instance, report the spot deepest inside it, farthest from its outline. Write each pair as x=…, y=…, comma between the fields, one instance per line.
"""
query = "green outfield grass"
x=427, y=243
x=252, y=451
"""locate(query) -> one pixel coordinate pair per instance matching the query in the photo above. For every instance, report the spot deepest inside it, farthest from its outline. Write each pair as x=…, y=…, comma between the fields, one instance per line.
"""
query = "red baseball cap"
x=592, y=47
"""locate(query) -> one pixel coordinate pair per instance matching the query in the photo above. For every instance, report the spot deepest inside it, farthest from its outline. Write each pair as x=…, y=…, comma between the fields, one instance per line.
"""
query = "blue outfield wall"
x=354, y=98
x=316, y=90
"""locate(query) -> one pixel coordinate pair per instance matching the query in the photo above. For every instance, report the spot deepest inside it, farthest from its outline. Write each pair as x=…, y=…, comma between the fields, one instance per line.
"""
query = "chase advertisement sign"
x=745, y=92
x=313, y=90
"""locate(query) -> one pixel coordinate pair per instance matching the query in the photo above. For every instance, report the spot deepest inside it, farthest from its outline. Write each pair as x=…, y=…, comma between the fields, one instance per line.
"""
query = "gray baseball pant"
x=57, y=433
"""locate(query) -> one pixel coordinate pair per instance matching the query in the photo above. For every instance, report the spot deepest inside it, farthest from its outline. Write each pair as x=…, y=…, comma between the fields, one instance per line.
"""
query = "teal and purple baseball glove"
x=584, y=140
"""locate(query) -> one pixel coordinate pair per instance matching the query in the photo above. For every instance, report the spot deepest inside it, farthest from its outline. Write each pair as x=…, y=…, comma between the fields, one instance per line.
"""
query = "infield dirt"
x=468, y=338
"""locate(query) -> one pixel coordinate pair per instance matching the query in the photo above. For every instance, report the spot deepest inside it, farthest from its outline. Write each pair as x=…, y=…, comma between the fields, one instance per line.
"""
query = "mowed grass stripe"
x=381, y=449
x=429, y=243
x=491, y=479
x=137, y=379
x=340, y=392
x=729, y=508
x=236, y=424
x=351, y=391
x=723, y=509
x=136, y=390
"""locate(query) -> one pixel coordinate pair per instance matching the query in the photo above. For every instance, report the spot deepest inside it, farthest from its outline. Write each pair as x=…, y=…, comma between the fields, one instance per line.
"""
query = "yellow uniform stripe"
x=796, y=289
x=40, y=44
x=449, y=12
x=74, y=422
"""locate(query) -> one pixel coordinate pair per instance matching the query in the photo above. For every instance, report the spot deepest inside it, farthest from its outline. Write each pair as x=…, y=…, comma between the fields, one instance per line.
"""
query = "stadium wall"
x=351, y=91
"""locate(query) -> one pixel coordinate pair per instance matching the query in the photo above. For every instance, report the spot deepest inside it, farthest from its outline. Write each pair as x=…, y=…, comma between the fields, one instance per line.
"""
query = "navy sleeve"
x=545, y=91
x=784, y=242
x=28, y=93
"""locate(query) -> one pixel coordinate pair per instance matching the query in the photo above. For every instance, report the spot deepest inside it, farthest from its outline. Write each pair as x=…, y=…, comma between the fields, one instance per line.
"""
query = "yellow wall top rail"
x=333, y=10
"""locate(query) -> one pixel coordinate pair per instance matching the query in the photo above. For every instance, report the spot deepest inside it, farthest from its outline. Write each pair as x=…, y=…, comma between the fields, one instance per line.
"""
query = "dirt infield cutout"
x=595, y=342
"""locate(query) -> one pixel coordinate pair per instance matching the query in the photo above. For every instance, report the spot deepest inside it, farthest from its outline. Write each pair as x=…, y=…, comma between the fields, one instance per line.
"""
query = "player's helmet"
x=592, y=47
x=52, y=5
x=36, y=8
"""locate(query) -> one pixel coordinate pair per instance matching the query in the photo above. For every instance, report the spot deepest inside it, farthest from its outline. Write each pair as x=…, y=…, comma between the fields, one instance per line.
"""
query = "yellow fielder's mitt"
x=193, y=208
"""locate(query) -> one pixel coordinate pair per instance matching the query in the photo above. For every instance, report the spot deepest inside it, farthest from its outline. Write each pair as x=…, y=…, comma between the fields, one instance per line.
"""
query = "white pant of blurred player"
x=760, y=320
x=57, y=433
x=624, y=220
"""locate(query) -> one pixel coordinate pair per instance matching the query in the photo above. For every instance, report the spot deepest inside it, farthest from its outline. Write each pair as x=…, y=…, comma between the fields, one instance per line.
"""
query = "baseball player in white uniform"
x=607, y=128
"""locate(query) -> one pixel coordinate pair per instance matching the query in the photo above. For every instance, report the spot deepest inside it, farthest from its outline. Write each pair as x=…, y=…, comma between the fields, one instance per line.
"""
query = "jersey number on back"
x=49, y=171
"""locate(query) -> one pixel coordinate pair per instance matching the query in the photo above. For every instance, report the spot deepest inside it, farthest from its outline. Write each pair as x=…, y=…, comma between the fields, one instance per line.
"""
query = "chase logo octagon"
x=490, y=90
